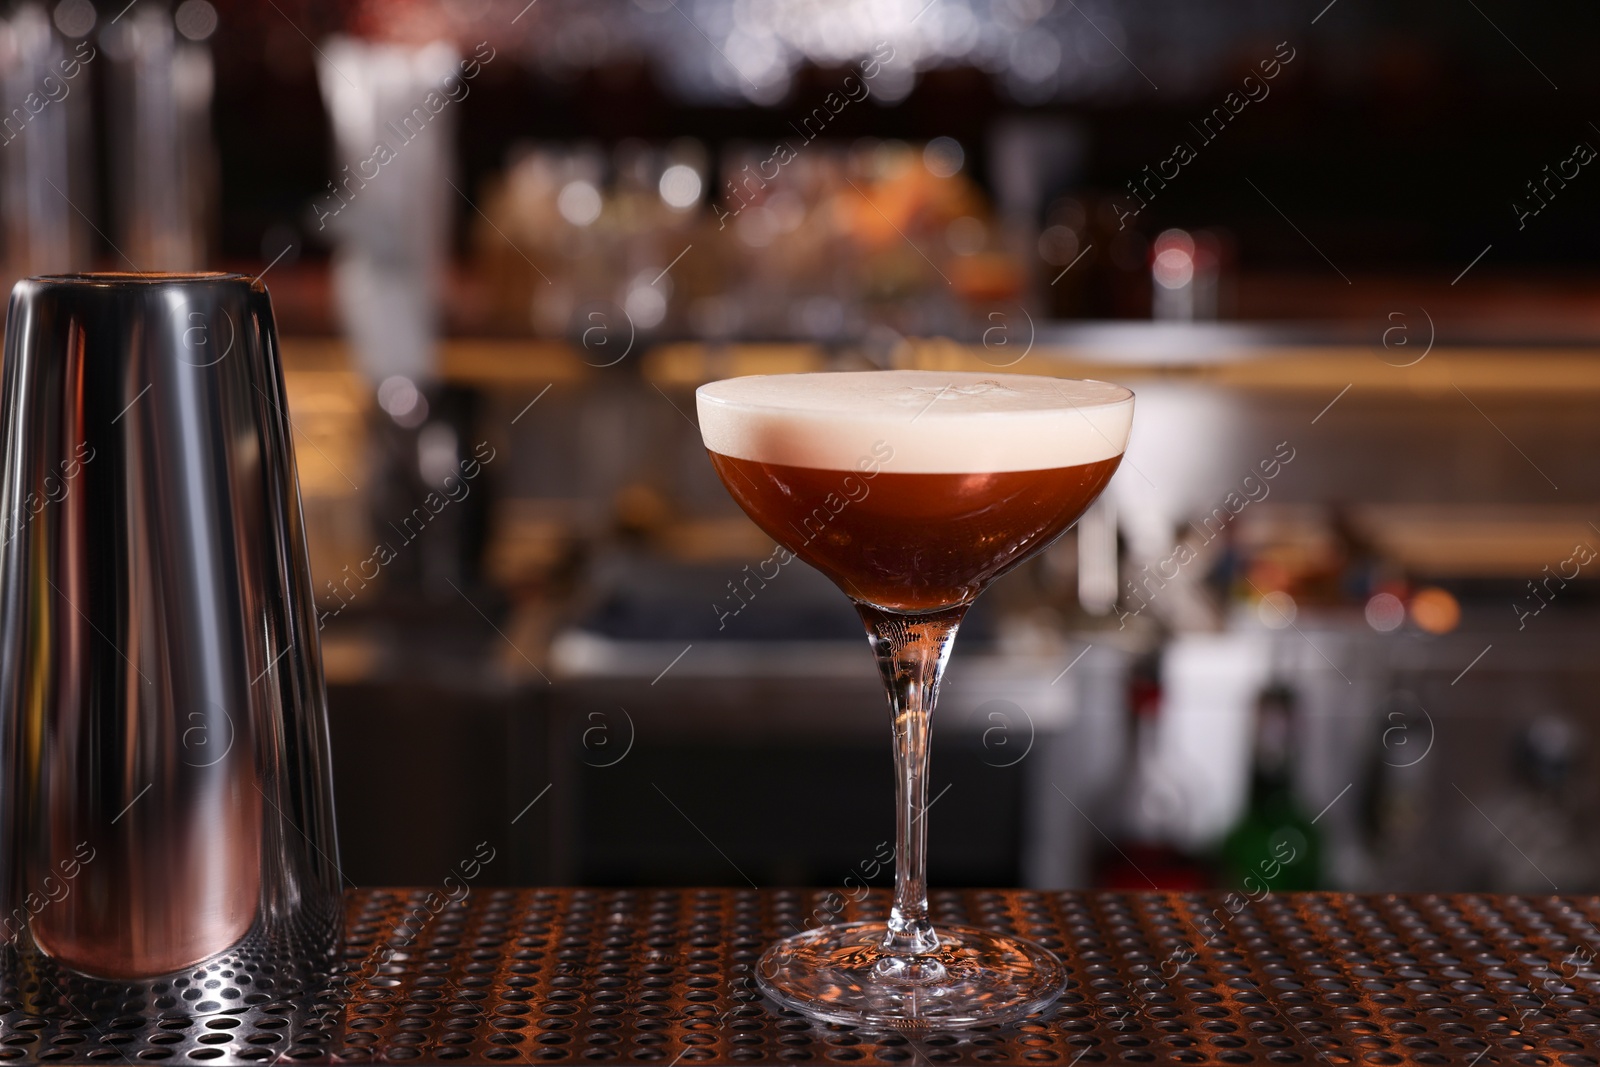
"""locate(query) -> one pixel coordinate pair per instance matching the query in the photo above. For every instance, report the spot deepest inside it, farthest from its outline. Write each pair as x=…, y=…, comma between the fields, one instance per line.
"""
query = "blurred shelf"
x=691, y=363
x=1268, y=358
x=510, y=363
x=1233, y=356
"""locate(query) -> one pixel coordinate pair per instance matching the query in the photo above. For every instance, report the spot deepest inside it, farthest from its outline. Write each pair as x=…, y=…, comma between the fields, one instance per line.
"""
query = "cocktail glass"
x=911, y=491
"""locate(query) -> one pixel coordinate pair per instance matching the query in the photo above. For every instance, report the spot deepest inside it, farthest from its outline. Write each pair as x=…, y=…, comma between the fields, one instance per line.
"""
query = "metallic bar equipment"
x=165, y=791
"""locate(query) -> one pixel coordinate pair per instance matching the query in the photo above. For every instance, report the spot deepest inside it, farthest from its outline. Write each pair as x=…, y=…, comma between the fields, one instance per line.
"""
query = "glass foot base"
x=841, y=974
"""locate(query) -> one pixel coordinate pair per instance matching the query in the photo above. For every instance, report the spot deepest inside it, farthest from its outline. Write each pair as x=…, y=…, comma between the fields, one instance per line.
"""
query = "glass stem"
x=911, y=651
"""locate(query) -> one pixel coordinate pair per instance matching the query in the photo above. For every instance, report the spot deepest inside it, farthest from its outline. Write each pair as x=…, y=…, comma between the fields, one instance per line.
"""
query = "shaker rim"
x=109, y=279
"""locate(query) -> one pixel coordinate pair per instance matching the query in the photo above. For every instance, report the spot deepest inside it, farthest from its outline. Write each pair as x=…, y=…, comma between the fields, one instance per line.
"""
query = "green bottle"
x=1273, y=847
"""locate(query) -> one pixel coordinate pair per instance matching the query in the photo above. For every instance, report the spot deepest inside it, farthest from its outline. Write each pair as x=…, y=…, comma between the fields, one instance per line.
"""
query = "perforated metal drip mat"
x=663, y=977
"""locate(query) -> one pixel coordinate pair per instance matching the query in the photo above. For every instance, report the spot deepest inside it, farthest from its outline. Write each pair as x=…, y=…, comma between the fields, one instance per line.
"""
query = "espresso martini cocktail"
x=911, y=491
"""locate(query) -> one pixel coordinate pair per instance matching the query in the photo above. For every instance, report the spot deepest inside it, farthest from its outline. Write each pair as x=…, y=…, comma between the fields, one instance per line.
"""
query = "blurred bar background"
x=1341, y=594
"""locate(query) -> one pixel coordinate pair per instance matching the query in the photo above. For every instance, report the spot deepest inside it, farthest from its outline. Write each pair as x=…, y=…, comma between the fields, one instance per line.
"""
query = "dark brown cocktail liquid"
x=912, y=542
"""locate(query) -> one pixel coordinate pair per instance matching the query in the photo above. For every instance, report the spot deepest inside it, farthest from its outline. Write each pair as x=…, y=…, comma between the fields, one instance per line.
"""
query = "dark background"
x=1397, y=139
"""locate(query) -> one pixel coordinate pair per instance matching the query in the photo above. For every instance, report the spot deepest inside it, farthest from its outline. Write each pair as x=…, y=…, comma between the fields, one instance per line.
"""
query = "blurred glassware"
x=165, y=199
x=389, y=210
x=46, y=167
x=1540, y=829
x=819, y=242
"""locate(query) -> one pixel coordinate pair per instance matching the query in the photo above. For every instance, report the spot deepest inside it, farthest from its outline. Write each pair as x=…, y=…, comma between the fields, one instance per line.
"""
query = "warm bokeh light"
x=1435, y=610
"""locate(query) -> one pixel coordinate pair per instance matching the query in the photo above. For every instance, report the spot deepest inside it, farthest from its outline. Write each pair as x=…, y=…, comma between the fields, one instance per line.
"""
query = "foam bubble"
x=937, y=422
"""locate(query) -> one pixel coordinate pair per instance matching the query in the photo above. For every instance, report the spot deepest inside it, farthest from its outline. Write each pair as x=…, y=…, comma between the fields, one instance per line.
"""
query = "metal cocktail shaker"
x=165, y=795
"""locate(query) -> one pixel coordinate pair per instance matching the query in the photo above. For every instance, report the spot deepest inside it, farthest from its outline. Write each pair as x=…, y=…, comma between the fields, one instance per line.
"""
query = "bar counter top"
x=664, y=976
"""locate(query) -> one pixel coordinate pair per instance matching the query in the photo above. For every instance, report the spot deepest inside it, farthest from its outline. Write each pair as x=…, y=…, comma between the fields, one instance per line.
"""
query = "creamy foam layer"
x=936, y=422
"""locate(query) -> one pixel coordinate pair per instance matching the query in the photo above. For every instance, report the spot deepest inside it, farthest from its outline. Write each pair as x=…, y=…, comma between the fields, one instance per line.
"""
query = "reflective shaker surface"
x=165, y=794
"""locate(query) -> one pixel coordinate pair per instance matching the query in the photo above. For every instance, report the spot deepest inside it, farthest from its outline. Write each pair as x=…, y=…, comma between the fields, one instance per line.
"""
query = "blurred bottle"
x=1273, y=844
x=1393, y=810
x=1143, y=856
